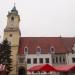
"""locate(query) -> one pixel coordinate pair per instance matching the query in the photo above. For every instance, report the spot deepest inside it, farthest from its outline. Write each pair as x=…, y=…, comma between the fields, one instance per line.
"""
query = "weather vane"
x=14, y=3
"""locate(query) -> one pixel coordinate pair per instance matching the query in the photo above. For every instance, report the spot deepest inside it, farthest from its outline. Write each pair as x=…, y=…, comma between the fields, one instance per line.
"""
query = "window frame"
x=25, y=48
x=47, y=61
x=40, y=60
x=34, y=60
x=52, y=49
x=73, y=59
x=28, y=60
x=12, y=18
x=38, y=50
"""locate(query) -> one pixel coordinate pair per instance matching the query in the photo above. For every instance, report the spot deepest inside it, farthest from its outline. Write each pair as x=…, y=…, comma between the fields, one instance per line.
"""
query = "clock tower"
x=12, y=33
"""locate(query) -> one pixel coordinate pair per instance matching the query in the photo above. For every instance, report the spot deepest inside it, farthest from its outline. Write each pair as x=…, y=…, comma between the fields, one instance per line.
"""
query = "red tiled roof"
x=60, y=44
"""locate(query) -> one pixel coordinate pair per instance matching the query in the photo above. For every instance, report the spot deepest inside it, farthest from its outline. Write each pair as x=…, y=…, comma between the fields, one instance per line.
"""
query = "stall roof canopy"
x=47, y=68
x=43, y=67
x=2, y=67
x=65, y=68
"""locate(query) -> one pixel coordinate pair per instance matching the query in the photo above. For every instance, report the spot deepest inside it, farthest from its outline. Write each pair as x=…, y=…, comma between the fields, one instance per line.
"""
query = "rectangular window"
x=28, y=61
x=35, y=60
x=47, y=60
x=73, y=60
x=41, y=60
x=60, y=59
x=53, y=60
x=56, y=59
x=64, y=60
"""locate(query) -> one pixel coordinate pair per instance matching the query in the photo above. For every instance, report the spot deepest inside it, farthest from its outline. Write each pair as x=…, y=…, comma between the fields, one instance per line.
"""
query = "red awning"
x=43, y=67
x=2, y=67
x=65, y=68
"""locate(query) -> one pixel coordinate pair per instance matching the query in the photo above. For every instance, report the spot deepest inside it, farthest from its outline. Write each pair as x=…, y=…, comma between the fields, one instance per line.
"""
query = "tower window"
x=10, y=35
x=12, y=18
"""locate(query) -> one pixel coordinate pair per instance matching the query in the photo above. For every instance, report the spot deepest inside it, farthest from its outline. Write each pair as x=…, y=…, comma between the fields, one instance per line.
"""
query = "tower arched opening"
x=21, y=71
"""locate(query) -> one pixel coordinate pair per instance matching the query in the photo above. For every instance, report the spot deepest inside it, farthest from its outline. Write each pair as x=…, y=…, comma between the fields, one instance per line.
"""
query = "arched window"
x=52, y=49
x=25, y=50
x=12, y=18
x=22, y=71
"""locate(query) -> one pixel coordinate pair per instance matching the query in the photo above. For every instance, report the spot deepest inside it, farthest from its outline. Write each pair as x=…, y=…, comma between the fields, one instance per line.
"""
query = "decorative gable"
x=73, y=48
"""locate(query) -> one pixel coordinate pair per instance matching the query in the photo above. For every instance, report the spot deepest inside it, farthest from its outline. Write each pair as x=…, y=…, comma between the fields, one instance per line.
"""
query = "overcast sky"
x=41, y=17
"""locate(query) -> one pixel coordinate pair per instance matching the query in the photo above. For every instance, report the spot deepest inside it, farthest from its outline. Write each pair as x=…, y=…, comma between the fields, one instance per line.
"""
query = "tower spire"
x=14, y=3
x=14, y=10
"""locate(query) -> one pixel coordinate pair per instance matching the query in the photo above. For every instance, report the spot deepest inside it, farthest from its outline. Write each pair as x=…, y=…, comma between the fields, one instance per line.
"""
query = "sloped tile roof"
x=60, y=44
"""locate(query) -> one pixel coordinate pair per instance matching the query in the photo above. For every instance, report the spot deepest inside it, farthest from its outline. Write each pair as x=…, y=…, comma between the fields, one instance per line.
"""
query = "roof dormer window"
x=25, y=50
x=52, y=49
x=38, y=50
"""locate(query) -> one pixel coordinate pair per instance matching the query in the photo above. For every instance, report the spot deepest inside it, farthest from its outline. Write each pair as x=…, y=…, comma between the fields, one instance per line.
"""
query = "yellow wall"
x=14, y=39
x=14, y=48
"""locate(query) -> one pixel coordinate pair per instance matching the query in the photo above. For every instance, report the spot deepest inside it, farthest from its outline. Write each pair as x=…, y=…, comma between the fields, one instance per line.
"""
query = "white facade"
x=38, y=56
x=70, y=57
